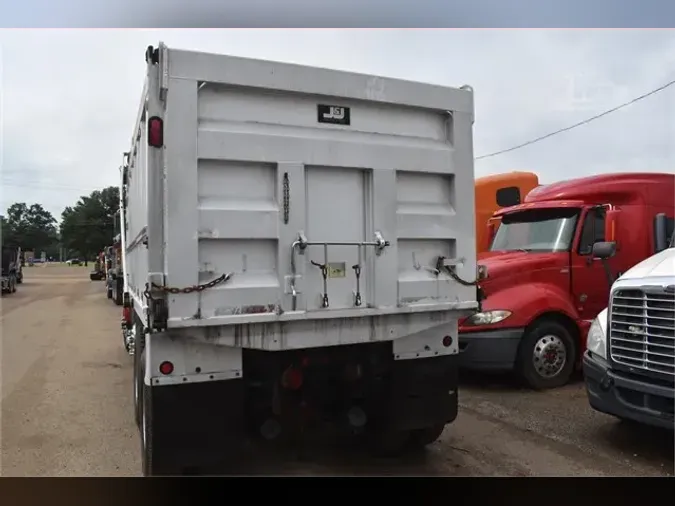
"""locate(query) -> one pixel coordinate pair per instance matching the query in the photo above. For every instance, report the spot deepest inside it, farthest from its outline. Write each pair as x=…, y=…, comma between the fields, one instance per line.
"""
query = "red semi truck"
x=542, y=285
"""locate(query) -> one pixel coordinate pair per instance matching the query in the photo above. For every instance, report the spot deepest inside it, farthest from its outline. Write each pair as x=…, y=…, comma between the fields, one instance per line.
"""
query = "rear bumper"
x=627, y=398
x=491, y=350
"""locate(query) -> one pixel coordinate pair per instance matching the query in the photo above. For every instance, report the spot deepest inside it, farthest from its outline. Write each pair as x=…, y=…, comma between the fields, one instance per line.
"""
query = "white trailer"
x=299, y=241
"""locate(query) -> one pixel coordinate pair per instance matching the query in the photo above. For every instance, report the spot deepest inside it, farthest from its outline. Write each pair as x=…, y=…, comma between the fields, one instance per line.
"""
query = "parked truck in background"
x=8, y=281
x=20, y=263
x=99, y=271
x=496, y=192
x=300, y=248
x=114, y=270
x=543, y=286
x=629, y=366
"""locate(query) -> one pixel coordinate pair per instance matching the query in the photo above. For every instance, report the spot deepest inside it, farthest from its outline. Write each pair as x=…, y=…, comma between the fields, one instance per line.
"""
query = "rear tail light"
x=126, y=315
x=155, y=132
x=166, y=368
x=291, y=379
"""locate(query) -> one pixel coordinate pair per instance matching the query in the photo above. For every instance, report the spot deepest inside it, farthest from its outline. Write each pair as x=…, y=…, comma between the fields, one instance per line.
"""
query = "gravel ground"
x=67, y=408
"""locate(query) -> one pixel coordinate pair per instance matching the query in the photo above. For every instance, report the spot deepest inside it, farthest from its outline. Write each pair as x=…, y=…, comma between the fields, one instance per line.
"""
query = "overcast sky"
x=69, y=98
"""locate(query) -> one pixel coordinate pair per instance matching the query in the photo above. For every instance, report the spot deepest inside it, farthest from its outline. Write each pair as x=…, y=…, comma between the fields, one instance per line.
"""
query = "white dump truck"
x=300, y=244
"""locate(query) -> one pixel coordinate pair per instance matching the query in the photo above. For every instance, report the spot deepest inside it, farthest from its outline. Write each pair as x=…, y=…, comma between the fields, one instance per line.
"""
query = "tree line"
x=85, y=228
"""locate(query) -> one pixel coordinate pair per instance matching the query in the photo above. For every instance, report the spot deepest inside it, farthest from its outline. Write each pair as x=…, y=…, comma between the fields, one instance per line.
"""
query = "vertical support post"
x=155, y=181
x=288, y=232
x=181, y=197
x=384, y=280
x=464, y=178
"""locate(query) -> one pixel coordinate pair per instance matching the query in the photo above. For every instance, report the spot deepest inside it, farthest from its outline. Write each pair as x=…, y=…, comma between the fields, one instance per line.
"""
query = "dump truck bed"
x=270, y=171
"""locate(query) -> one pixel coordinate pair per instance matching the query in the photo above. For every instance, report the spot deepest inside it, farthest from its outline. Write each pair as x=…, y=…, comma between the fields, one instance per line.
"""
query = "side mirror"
x=604, y=250
x=660, y=232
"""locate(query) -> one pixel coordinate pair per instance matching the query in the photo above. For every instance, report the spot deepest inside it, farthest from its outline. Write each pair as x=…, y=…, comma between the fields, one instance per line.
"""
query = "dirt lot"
x=67, y=408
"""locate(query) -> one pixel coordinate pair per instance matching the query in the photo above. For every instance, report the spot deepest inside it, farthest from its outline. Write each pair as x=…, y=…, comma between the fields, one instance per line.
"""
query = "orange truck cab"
x=542, y=285
x=496, y=192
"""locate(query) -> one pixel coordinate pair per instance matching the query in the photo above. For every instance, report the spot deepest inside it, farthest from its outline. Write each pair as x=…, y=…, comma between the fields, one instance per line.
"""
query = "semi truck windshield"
x=538, y=230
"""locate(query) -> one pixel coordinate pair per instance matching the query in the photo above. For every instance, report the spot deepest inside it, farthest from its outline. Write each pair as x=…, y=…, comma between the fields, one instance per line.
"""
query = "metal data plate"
x=337, y=270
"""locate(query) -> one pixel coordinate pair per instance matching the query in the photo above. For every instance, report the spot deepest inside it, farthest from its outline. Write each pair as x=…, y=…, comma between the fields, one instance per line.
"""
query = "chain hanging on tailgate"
x=286, y=198
x=189, y=289
x=157, y=314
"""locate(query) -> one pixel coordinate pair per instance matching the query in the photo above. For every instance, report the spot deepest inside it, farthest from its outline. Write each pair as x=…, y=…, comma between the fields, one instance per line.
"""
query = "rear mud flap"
x=198, y=424
x=423, y=393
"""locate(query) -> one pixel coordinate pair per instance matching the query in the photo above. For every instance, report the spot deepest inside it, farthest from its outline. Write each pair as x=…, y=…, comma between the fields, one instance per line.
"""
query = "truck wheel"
x=546, y=356
x=108, y=292
x=424, y=437
x=390, y=444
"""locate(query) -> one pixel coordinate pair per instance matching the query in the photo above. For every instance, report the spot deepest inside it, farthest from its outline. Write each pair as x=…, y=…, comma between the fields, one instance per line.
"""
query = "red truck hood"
x=503, y=265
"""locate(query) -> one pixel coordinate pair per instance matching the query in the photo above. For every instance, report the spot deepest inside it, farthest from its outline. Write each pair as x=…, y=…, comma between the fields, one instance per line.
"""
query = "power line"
x=40, y=185
x=588, y=120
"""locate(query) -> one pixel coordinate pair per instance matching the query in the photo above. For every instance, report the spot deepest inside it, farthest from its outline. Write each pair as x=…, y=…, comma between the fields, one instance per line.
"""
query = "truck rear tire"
x=424, y=437
x=390, y=444
x=108, y=291
x=546, y=356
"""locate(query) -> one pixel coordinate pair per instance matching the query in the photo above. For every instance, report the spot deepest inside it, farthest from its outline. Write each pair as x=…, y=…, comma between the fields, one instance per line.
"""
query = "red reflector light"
x=166, y=368
x=447, y=341
x=126, y=315
x=155, y=132
x=291, y=379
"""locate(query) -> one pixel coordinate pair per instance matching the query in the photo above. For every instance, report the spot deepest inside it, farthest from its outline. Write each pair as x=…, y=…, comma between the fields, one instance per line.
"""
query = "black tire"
x=108, y=292
x=389, y=444
x=424, y=437
x=13, y=289
x=551, y=346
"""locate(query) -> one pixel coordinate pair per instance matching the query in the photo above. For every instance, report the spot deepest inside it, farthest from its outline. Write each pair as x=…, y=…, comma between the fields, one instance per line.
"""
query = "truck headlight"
x=488, y=317
x=596, y=342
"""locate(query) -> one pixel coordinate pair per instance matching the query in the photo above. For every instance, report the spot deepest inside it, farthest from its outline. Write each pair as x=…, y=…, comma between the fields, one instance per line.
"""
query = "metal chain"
x=190, y=289
x=287, y=198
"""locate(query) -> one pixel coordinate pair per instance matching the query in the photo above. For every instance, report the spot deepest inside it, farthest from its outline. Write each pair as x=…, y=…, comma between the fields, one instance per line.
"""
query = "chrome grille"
x=642, y=330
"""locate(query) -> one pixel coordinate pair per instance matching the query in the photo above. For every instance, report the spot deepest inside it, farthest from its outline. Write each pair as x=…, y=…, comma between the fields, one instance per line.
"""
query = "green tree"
x=29, y=227
x=89, y=225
